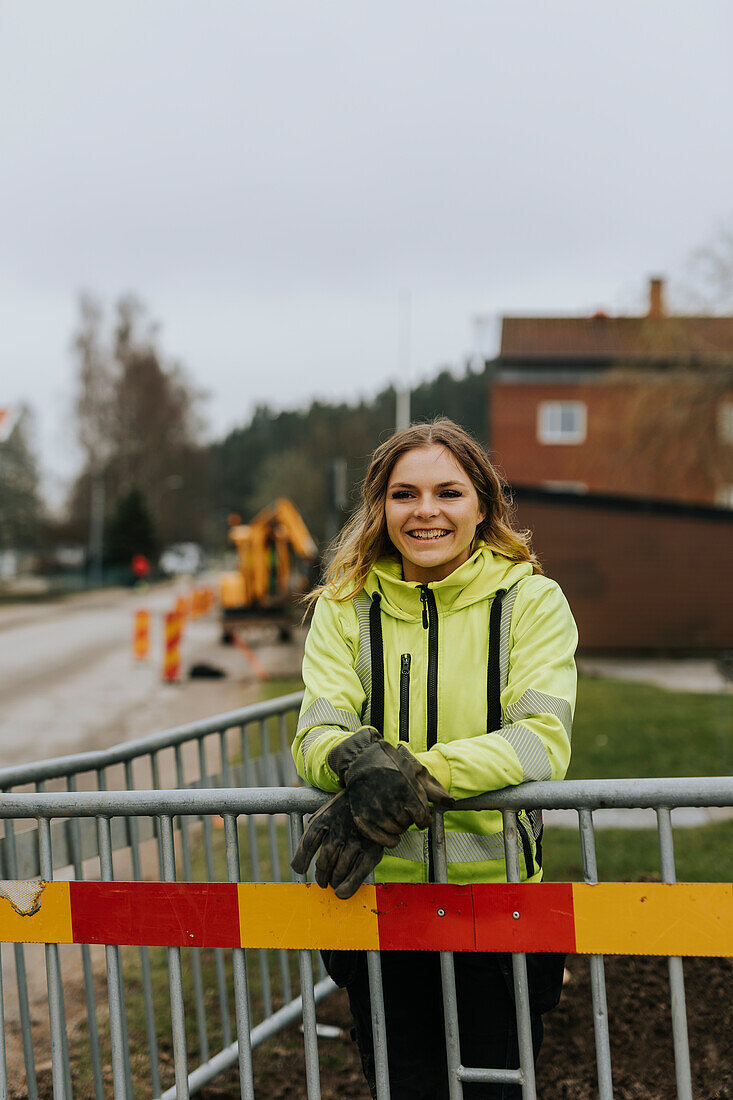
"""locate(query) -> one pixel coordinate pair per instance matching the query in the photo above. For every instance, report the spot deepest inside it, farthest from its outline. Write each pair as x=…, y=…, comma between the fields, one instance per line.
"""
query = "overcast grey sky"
x=268, y=176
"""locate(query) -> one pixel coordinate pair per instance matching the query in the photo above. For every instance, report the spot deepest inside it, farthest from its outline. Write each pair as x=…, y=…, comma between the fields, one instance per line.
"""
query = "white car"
x=182, y=557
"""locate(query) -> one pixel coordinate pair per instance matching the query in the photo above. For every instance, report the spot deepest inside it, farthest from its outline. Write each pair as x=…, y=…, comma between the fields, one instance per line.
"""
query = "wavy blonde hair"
x=364, y=538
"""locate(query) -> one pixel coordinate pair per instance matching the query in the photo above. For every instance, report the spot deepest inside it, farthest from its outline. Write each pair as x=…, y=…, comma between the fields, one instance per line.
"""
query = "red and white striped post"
x=141, y=635
x=172, y=655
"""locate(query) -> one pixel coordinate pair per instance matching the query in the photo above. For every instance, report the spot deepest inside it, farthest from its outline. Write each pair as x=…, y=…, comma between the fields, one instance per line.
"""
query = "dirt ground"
x=640, y=1030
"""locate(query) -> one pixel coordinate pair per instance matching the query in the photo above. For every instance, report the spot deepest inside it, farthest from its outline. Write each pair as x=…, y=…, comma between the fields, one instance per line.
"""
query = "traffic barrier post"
x=172, y=654
x=141, y=635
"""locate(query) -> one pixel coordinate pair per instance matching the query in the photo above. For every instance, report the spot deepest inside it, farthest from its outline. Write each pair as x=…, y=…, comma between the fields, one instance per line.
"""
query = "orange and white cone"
x=172, y=655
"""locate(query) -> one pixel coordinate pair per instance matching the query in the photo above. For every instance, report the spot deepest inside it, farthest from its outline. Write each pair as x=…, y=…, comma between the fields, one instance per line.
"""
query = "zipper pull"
x=405, y=660
x=424, y=598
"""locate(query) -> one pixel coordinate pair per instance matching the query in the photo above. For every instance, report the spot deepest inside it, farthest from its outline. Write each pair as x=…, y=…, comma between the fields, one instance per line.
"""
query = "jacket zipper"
x=526, y=847
x=405, y=661
x=430, y=623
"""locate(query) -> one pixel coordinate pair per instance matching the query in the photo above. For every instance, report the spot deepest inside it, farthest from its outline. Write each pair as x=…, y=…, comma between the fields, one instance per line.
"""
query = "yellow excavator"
x=275, y=555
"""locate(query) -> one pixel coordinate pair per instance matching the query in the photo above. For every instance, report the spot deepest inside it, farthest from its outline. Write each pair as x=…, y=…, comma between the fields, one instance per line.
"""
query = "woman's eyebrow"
x=440, y=485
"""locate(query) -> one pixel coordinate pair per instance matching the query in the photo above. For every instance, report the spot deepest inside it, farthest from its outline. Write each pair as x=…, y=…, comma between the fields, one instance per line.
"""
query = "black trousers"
x=413, y=1004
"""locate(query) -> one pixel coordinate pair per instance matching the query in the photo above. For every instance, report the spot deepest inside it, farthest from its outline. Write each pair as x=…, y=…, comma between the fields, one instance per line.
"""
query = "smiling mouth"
x=429, y=535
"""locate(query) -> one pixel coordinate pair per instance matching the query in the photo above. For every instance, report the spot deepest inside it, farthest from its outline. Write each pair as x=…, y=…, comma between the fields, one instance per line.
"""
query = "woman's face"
x=432, y=511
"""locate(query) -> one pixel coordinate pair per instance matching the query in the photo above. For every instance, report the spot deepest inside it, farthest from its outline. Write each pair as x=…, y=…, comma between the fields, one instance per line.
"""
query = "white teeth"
x=435, y=533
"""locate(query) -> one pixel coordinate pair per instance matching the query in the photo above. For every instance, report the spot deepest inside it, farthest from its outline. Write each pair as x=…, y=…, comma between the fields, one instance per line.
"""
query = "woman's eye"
x=451, y=493
x=400, y=494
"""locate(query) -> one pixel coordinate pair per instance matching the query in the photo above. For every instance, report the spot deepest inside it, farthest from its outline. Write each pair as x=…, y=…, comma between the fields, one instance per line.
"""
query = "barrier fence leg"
x=447, y=973
x=254, y=857
x=175, y=973
x=270, y=780
x=239, y=964
x=195, y=954
x=221, y=982
x=145, y=971
x=676, y=976
x=103, y=786
x=597, y=971
x=519, y=968
x=305, y=967
x=60, y=1066
x=74, y=833
x=114, y=976
x=21, y=977
x=3, y=1060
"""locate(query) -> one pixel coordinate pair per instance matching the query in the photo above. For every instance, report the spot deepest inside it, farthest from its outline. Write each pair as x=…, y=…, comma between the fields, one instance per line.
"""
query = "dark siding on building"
x=639, y=575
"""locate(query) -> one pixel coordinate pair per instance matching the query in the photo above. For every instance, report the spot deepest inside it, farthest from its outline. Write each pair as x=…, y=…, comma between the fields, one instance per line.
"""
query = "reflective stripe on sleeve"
x=530, y=750
x=460, y=847
x=536, y=703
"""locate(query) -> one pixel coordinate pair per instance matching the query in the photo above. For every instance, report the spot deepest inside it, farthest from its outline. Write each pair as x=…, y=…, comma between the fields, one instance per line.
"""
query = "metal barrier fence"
x=249, y=747
x=166, y=835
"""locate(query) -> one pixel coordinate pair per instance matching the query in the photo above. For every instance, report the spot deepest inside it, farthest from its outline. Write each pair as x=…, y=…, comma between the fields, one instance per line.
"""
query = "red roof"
x=620, y=338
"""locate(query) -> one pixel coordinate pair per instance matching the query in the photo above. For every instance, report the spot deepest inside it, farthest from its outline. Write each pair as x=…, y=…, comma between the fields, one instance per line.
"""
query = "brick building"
x=616, y=434
x=640, y=575
x=630, y=405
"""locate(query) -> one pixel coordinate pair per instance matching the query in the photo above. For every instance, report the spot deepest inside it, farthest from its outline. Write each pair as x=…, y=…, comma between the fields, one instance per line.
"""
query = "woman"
x=439, y=665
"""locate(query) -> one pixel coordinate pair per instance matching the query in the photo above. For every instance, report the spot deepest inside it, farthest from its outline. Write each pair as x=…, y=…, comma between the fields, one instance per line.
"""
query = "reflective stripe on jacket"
x=430, y=689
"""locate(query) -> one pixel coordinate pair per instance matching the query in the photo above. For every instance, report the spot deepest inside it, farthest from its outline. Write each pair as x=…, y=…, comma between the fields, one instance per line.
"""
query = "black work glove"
x=347, y=857
x=388, y=790
x=343, y=755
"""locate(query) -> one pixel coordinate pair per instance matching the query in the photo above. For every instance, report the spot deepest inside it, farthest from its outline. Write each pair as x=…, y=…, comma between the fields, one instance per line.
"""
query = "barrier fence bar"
x=239, y=962
x=175, y=973
x=86, y=961
x=448, y=975
x=305, y=968
x=519, y=968
x=3, y=1058
x=597, y=969
x=114, y=976
x=680, y=1039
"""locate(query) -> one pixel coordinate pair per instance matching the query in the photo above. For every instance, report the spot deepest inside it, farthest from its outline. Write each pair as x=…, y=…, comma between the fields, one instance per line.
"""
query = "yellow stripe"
x=297, y=915
x=51, y=923
x=653, y=918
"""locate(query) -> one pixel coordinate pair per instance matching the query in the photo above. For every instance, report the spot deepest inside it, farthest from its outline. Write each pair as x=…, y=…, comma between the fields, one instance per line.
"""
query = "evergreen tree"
x=130, y=531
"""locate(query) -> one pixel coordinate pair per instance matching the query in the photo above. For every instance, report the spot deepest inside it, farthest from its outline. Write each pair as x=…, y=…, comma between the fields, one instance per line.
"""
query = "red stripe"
x=544, y=920
x=420, y=917
x=176, y=914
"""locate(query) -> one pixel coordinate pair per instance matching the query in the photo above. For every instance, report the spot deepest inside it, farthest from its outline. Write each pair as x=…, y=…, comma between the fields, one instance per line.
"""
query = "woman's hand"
x=346, y=857
x=388, y=790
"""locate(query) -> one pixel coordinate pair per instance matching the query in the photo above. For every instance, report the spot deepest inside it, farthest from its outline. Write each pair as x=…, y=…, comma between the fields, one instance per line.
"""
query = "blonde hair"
x=364, y=538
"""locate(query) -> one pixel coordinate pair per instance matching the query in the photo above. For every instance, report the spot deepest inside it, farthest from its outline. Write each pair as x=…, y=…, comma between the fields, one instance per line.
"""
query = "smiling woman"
x=432, y=512
x=439, y=665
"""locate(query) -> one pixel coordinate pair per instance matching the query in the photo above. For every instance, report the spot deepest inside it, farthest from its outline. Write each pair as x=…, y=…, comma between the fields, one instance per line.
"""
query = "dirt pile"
x=640, y=1031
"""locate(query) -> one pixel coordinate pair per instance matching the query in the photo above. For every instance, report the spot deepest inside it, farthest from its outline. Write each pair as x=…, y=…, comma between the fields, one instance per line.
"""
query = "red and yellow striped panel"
x=607, y=919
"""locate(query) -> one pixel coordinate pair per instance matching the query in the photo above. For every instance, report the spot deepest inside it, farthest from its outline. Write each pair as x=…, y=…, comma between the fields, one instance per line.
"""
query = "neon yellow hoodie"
x=436, y=652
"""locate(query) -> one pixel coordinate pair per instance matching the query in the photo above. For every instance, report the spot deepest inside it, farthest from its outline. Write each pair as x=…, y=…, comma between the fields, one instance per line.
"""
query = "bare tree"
x=137, y=417
x=681, y=383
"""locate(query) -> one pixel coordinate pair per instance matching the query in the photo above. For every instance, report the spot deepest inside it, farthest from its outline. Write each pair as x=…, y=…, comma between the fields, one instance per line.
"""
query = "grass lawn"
x=703, y=854
x=625, y=730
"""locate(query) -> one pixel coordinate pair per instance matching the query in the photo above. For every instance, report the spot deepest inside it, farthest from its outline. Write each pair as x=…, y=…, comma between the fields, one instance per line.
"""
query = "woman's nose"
x=426, y=507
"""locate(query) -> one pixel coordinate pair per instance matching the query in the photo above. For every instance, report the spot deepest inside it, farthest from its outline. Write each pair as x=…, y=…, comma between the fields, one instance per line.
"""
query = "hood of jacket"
x=477, y=579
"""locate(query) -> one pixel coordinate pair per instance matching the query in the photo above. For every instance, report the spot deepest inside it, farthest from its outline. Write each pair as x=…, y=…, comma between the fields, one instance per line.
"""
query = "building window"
x=725, y=421
x=561, y=422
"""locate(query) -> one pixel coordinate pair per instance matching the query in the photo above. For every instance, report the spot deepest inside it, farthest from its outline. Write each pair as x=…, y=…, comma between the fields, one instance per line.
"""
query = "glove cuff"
x=343, y=755
x=437, y=765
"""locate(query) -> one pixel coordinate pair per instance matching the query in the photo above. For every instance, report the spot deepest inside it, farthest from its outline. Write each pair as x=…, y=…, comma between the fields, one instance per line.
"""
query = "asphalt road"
x=68, y=681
